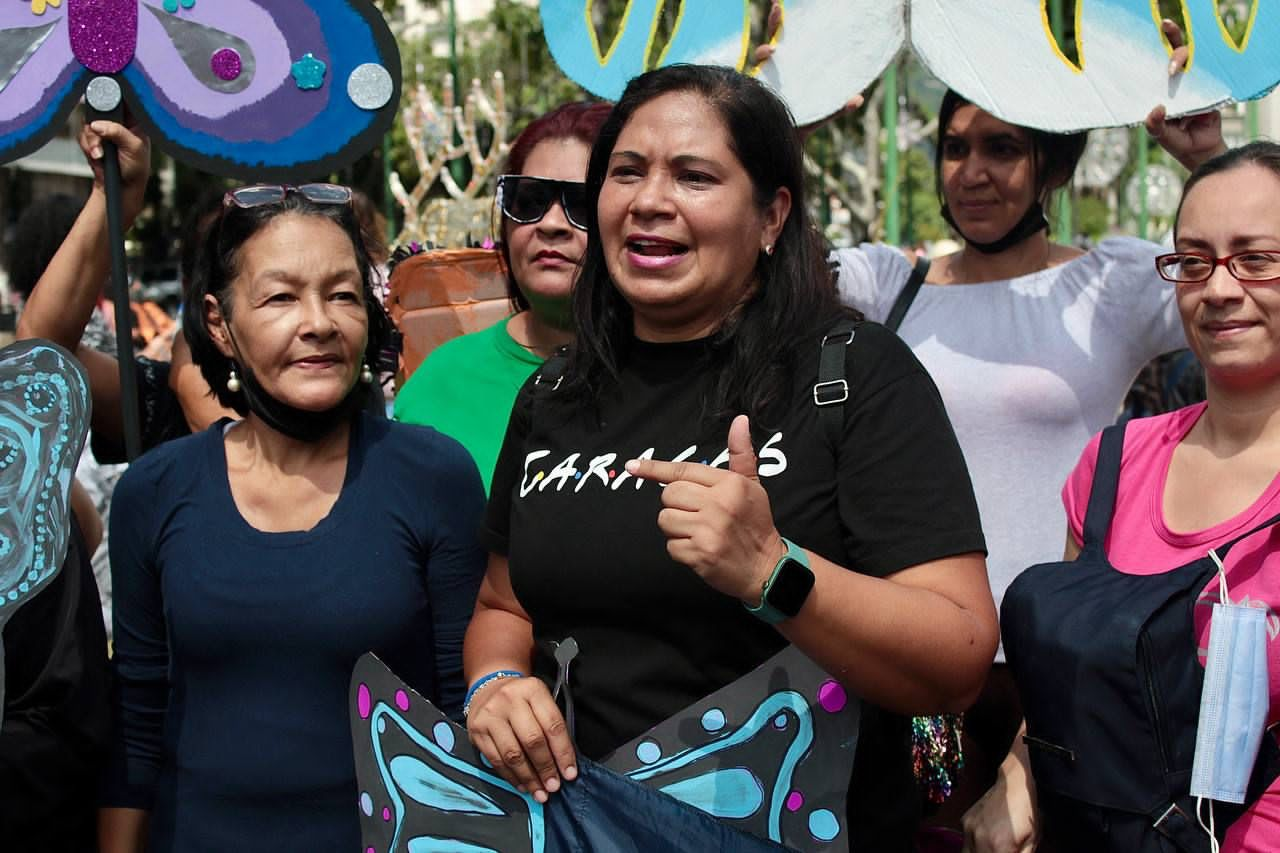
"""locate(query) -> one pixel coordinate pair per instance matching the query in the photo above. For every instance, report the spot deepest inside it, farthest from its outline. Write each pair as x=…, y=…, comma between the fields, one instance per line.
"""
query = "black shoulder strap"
x=1106, y=480
x=832, y=388
x=908, y=294
x=551, y=373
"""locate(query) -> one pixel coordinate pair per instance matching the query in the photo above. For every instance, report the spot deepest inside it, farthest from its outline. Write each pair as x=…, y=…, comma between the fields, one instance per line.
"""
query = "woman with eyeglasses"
x=255, y=561
x=1181, y=484
x=465, y=387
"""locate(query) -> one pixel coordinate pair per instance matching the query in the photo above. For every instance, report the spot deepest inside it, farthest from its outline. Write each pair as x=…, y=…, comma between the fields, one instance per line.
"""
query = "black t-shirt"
x=587, y=559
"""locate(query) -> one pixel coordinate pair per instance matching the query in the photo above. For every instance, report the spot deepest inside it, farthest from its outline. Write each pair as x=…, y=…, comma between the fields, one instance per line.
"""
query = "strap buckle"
x=848, y=340
x=1172, y=821
x=538, y=381
x=830, y=393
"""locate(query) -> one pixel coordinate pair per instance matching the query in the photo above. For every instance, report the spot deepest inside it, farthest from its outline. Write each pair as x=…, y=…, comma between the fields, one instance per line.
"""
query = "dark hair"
x=195, y=228
x=41, y=229
x=1262, y=153
x=1053, y=155
x=754, y=351
x=580, y=120
x=218, y=264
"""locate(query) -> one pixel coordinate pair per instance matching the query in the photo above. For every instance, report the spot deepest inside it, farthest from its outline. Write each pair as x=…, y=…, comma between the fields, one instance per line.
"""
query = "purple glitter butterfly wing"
x=259, y=89
x=39, y=77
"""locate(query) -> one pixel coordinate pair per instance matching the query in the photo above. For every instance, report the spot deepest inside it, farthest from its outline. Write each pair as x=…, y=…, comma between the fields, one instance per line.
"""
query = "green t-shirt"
x=465, y=388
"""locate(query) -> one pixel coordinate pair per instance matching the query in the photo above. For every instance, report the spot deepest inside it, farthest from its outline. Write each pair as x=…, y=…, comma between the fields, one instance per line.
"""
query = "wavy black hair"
x=218, y=264
x=754, y=351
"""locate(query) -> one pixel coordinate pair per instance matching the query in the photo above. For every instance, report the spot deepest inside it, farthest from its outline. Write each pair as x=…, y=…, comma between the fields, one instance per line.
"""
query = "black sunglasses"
x=526, y=199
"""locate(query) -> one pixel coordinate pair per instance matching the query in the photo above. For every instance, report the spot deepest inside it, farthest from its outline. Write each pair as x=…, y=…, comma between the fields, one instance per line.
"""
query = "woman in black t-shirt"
x=701, y=303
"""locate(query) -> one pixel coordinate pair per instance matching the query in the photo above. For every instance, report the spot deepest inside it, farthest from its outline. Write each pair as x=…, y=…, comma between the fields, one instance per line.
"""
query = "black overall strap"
x=833, y=387
x=908, y=295
x=1106, y=481
x=1222, y=549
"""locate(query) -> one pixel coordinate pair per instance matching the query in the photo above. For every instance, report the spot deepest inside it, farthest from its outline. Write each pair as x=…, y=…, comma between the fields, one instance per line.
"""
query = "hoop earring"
x=233, y=381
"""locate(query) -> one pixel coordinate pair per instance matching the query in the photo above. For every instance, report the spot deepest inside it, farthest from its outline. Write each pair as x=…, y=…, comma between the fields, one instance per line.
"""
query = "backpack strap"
x=552, y=371
x=908, y=295
x=832, y=389
x=1106, y=482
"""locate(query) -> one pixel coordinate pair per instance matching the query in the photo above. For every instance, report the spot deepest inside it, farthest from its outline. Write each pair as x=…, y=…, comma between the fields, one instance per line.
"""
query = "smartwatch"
x=787, y=588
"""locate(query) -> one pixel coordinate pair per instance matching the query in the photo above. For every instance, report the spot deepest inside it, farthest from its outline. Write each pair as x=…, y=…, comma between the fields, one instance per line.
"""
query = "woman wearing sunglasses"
x=253, y=562
x=465, y=388
x=1181, y=484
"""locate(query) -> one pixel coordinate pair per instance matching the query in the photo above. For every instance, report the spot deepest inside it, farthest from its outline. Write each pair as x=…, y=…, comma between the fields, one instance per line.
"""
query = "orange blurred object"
x=438, y=295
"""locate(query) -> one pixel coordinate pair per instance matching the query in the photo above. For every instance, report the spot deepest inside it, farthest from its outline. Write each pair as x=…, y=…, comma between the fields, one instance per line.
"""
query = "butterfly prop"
x=762, y=764
x=1000, y=54
x=44, y=418
x=253, y=89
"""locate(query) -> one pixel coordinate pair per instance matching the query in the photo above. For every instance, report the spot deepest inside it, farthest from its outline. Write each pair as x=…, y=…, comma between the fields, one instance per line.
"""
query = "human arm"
x=63, y=299
x=200, y=408
x=456, y=567
x=141, y=663
x=513, y=721
x=918, y=640
x=1193, y=139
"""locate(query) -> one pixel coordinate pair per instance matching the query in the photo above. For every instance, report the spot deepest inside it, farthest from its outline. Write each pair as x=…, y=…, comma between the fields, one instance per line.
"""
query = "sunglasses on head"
x=257, y=195
x=526, y=199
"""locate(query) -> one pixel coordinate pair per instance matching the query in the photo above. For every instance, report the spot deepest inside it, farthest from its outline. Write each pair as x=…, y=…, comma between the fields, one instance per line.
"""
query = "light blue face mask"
x=1233, y=702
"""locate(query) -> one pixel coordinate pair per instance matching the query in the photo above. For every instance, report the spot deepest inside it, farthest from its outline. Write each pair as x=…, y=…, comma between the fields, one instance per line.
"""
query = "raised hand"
x=1190, y=139
x=134, y=150
x=764, y=52
x=718, y=522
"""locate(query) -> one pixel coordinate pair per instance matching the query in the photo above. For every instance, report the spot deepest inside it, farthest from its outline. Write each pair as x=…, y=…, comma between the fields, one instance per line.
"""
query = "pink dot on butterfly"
x=370, y=850
x=613, y=472
x=795, y=800
x=831, y=697
x=226, y=64
x=364, y=703
x=402, y=700
x=386, y=813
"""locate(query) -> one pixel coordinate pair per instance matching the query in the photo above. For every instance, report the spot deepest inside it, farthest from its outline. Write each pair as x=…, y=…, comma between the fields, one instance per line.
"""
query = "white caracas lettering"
x=605, y=469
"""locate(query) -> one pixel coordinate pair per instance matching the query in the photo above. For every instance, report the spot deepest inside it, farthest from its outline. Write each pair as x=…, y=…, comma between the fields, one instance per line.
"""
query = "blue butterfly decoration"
x=769, y=755
x=256, y=89
x=44, y=418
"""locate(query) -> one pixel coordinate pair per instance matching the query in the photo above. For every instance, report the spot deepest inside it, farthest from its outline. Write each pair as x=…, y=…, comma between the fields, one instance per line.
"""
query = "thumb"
x=742, y=457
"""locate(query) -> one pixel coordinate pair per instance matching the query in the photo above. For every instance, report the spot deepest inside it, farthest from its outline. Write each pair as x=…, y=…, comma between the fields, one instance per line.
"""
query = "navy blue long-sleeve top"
x=234, y=647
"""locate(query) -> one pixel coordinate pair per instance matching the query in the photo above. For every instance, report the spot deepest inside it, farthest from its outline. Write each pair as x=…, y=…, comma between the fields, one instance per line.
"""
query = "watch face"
x=791, y=587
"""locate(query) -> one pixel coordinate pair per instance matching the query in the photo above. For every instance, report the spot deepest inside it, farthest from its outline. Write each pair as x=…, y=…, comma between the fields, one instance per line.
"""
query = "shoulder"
x=878, y=357
x=169, y=465
x=1122, y=257
x=870, y=276
x=412, y=449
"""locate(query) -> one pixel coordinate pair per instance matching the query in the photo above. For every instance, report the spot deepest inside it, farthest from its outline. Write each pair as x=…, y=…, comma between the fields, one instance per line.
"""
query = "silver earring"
x=366, y=375
x=233, y=382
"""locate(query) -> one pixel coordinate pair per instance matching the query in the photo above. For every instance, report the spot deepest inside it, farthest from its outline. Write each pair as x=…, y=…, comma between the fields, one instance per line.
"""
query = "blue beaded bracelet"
x=482, y=681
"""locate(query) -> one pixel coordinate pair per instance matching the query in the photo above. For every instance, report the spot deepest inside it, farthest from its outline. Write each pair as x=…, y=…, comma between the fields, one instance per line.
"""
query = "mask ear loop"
x=1223, y=598
x=1222, y=578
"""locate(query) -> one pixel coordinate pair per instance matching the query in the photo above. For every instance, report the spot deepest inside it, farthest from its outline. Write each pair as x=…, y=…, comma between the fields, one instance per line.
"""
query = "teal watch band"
x=785, y=591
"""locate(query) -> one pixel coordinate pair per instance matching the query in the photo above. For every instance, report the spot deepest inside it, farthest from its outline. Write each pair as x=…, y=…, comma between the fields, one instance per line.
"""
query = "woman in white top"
x=1032, y=344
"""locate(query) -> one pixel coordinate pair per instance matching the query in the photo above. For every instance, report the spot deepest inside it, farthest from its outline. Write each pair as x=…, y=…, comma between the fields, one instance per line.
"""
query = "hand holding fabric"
x=718, y=522
x=516, y=724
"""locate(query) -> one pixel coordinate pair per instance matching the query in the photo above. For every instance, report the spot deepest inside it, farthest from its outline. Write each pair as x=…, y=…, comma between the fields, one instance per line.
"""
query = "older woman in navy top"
x=255, y=561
